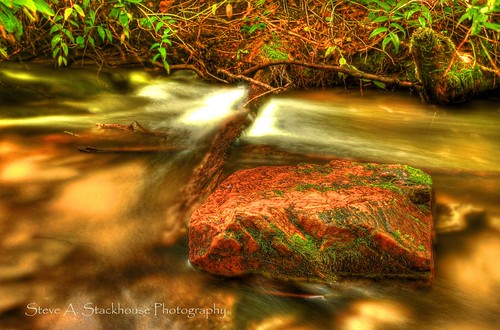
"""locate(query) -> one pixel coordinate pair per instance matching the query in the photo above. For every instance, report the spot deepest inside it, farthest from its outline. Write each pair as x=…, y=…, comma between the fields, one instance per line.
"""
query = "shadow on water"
x=80, y=232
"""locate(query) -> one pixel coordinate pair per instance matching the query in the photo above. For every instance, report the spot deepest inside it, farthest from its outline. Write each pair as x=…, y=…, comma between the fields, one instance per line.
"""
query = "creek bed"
x=81, y=232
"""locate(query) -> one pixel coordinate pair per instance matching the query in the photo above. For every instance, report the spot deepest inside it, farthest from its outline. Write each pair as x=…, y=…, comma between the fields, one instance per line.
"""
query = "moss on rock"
x=445, y=76
x=317, y=222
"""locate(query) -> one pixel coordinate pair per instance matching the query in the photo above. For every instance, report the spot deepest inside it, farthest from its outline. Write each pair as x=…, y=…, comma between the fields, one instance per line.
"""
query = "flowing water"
x=80, y=245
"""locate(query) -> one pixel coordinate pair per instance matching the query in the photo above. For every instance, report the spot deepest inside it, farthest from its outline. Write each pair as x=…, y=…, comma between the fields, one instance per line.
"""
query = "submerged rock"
x=317, y=222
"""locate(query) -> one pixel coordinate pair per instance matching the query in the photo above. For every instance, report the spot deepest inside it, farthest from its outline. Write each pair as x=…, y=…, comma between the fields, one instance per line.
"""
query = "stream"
x=83, y=245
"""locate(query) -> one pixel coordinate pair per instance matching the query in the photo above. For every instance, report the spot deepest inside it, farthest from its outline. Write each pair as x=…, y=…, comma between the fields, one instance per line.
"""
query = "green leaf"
x=92, y=17
x=409, y=13
x=3, y=52
x=80, y=41
x=214, y=9
x=427, y=14
x=163, y=52
x=378, y=31
x=399, y=27
x=155, y=57
x=380, y=19
x=67, y=13
x=329, y=50
x=159, y=25
x=100, y=31
x=492, y=26
x=91, y=42
x=9, y=21
x=382, y=5
x=252, y=28
x=7, y=3
x=395, y=41
x=386, y=40
x=64, y=47
x=397, y=16
x=134, y=1
x=464, y=17
x=401, y=4
x=379, y=84
x=43, y=8
x=69, y=34
x=422, y=22
x=55, y=28
x=55, y=40
x=145, y=22
x=79, y=10
x=123, y=19
x=75, y=24
x=166, y=66
x=109, y=35
x=155, y=45
x=342, y=61
x=29, y=14
x=55, y=52
x=29, y=4
x=113, y=14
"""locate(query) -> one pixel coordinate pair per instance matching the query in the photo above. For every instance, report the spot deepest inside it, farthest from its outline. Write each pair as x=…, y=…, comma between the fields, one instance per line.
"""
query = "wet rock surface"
x=317, y=222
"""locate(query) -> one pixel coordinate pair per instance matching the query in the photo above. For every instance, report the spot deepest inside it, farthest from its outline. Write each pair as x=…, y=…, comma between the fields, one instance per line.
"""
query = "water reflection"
x=83, y=230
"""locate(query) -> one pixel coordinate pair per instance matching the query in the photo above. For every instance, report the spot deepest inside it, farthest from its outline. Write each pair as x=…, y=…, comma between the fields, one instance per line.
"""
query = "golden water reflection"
x=80, y=229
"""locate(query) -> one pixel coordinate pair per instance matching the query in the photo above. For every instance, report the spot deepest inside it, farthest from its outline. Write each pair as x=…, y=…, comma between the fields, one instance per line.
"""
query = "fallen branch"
x=342, y=69
x=135, y=127
x=89, y=149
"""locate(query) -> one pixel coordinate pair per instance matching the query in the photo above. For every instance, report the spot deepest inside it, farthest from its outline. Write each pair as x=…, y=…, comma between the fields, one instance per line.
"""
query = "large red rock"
x=315, y=222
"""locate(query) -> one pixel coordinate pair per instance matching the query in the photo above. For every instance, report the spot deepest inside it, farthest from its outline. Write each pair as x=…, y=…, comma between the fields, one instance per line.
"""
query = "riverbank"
x=274, y=46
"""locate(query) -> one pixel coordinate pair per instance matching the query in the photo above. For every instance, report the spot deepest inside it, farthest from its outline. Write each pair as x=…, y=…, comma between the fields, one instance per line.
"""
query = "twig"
x=274, y=91
x=492, y=62
x=456, y=52
x=243, y=77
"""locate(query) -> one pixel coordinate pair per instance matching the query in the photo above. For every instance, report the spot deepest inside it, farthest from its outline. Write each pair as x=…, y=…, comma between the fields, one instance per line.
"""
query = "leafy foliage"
x=85, y=25
x=394, y=16
x=11, y=27
x=396, y=19
x=480, y=16
x=161, y=47
x=82, y=26
x=67, y=30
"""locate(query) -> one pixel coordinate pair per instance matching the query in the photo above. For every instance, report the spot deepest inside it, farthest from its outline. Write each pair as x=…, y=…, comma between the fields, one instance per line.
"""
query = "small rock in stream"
x=317, y=222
